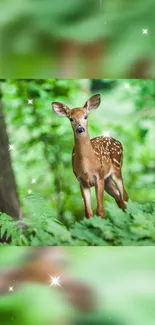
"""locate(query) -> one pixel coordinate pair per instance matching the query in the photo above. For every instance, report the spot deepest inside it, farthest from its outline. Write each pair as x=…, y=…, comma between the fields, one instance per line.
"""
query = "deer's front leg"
x=99, y=187
x=85, y=191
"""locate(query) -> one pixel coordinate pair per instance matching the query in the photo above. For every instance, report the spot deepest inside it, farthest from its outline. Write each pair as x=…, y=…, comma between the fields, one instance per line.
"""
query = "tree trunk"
x=9, y=202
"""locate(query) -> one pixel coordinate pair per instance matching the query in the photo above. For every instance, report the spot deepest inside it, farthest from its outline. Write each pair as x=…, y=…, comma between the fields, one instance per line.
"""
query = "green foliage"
x=10, y=228
x=43, y=147
x=135, y=227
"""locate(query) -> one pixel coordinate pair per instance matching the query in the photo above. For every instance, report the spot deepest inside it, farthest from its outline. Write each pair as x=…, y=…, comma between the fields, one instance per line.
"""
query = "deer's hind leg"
x=118, y=180
x=111, y=189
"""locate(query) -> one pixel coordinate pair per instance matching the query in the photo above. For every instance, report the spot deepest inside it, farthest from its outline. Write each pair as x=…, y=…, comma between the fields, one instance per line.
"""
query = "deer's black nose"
x=80, y=129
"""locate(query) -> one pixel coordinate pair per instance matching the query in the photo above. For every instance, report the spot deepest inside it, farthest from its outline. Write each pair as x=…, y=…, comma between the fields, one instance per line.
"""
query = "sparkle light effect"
x=29, y=191
x=30, y=101
x=33, y=180
x=54, y=281
x=10, y=289
x=145, y=31
x=11, y=147
x=127, y=86
x=106, y=133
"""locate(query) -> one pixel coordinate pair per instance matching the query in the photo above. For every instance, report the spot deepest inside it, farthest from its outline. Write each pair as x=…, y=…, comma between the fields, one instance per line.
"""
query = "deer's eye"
x=71, y=119
x=85, y=117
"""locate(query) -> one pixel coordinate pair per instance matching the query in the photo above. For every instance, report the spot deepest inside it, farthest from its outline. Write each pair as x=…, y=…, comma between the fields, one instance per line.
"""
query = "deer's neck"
x=83, y=148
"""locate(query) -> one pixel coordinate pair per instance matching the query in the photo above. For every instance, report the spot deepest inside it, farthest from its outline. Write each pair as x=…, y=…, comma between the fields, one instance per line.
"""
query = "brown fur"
x=96, y=162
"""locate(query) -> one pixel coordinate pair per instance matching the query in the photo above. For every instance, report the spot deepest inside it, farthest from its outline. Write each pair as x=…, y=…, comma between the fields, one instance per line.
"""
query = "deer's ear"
x=60, y=109
x=93, y=102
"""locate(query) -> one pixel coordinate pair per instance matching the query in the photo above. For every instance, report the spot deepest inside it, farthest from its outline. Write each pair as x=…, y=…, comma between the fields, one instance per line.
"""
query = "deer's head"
x=77, y=116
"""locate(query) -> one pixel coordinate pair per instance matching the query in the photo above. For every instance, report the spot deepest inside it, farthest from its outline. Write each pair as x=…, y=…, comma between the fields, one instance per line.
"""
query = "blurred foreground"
x=77, y=39
x=85, y=286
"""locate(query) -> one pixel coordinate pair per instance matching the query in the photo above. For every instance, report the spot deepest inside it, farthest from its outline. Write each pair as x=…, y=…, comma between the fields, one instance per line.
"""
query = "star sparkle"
x=54, y=281
x=29, y=191
x=145, y=31
x=11, y=147
x=11, y=289
x=33, y=180
x=30, y=101
x=127, y=86
x=106, y=133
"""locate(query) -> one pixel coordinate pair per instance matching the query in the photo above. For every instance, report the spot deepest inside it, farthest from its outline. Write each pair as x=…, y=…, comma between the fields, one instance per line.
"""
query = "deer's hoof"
x=90, y=216
x=100, y=213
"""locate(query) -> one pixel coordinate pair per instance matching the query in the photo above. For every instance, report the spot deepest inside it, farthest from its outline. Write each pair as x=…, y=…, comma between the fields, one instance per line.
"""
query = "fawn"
x=96, y=162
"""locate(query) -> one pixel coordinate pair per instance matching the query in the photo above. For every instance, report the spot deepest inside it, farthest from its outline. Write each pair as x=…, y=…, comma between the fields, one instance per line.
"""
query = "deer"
x=96, y=162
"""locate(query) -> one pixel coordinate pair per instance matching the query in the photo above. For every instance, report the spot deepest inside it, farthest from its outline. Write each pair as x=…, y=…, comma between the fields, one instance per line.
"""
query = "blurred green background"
x=43, y=144
x=77, y=38
x=122, y=279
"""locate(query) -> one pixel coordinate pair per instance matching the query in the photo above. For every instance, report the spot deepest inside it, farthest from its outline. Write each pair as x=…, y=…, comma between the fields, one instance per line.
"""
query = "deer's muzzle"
x=80, y=129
